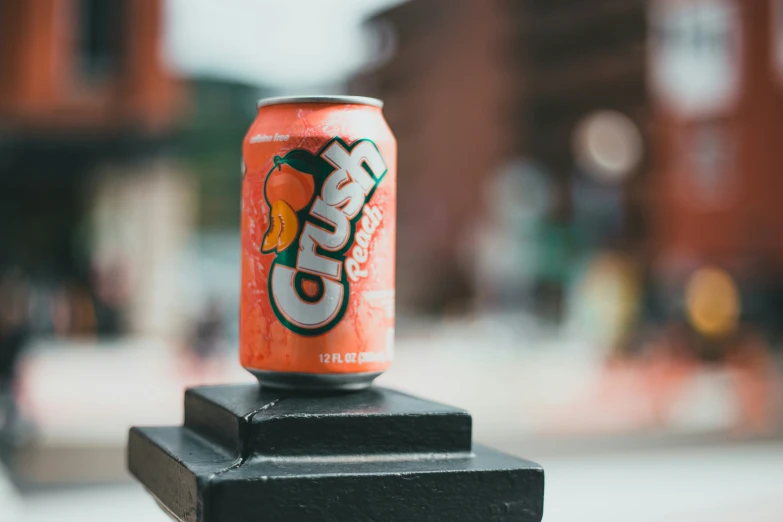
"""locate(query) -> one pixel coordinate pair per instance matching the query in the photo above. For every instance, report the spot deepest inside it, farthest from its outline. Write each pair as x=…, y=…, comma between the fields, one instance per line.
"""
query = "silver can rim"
x=349, y=100
x=314, y=381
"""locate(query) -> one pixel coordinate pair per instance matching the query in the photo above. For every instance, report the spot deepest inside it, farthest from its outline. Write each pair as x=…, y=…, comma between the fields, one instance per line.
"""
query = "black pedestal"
x=251, y=455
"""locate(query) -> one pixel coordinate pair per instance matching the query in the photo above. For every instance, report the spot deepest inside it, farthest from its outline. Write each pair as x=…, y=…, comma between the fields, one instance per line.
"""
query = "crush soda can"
x=319, y=196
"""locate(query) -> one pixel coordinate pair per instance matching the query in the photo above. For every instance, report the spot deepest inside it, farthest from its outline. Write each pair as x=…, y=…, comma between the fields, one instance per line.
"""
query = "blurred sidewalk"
x=537, y=384
x=608, y=453
x=523, y=382
x=709, y=484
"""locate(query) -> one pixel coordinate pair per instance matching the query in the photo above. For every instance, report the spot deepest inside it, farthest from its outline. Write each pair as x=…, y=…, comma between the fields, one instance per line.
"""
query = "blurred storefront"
x=642, y=131
x=588, y=246
x=602, y=171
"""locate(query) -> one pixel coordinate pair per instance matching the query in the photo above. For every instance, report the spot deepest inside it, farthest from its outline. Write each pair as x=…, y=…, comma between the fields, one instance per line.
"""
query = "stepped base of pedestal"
x=247, y=455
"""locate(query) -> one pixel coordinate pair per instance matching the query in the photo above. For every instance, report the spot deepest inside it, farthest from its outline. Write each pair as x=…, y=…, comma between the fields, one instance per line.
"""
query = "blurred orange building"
x=717, y=79
x=575, y=58
x=84, y=64
x=701, y=80
x=87, y=109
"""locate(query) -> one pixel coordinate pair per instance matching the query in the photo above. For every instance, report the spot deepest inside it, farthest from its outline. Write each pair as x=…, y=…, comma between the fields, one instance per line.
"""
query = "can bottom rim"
x=314, y=381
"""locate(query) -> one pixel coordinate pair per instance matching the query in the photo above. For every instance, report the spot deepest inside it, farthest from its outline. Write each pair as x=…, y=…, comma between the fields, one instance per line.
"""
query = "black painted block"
x=249, y=420
x=247, y=454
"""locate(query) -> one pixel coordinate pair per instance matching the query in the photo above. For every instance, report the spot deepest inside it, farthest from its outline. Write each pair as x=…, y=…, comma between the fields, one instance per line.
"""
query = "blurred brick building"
x=448, y=98
x=84, y=65
x=717, y=73
x=87, y=109
x=471, y=85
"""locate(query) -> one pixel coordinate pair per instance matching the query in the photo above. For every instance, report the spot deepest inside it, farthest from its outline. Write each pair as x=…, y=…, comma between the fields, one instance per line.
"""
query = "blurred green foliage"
x=211, y=145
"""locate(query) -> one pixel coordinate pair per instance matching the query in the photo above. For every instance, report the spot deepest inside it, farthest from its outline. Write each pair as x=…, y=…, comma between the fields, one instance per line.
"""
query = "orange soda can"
x=319, y=196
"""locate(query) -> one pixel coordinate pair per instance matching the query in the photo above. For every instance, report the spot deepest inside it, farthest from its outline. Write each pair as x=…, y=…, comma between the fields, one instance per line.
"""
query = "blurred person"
x=205, y=343
x=110, y=282
x=14, y=334
x=73, y=311
x=671, y=363
x=597, y=211
x=604, y=301
x=680, y=355
x=757, y=383
x=508, y=243
x=209, y=331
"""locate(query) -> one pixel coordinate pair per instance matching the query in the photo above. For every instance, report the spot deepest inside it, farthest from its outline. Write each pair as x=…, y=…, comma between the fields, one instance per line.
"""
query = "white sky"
x=276, y=43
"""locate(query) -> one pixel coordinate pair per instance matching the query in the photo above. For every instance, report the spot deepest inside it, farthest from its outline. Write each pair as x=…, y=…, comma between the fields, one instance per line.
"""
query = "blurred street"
x=626, y=464
x=588, y=249
x=549, y=388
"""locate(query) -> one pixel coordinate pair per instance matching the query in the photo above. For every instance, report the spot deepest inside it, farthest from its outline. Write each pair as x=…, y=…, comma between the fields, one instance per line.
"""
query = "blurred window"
x=100, y=36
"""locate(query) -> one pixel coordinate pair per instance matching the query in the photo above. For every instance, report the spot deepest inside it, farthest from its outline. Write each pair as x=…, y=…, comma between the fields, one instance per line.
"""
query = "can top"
x=355, y=100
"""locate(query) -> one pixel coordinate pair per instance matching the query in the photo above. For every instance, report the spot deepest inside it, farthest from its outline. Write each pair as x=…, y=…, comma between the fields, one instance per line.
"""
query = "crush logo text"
x=320, y=230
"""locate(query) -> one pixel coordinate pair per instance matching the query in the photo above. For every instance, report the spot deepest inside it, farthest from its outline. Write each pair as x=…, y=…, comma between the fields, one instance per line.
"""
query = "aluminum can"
x=319, y=194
